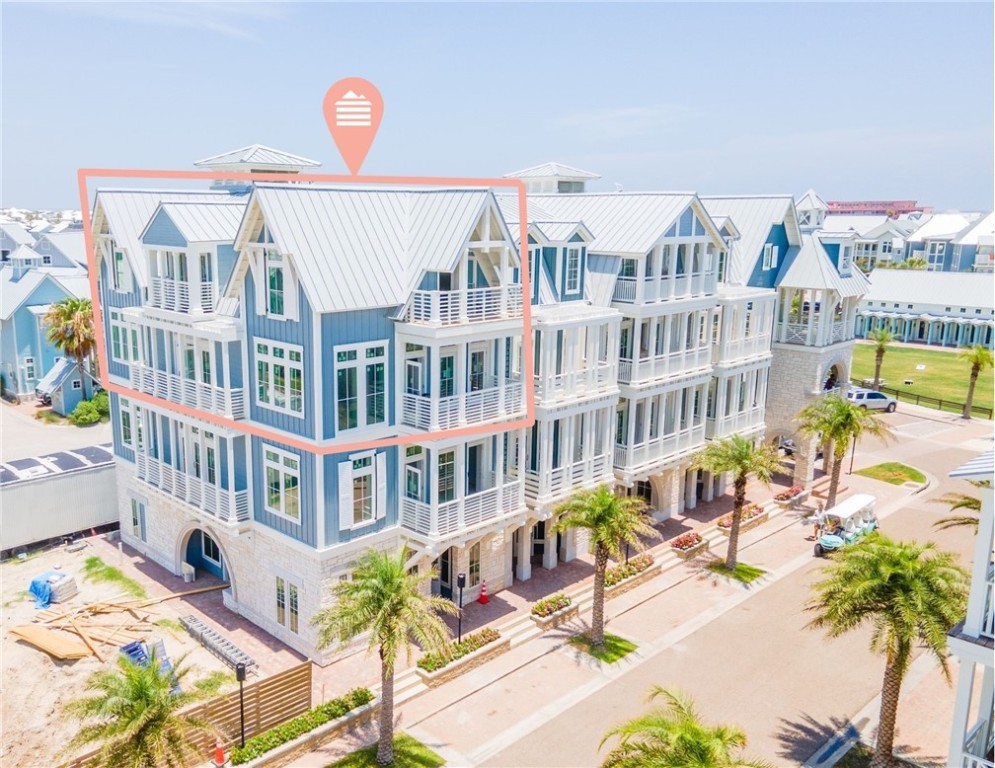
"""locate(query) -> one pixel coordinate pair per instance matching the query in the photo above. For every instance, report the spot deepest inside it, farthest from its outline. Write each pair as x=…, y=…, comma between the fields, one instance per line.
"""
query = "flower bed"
x=436, y=668
x=324, y=713
x=790, y=494
x=689, y=545
x=753, y=515
x=553, y=611
x=432, y=662
x=619, y=573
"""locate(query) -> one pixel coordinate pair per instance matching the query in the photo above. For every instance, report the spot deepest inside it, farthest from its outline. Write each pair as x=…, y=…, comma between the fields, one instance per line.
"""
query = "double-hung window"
x=125, y=408
x=362, y=490
x=360, y=385
x=120, y=272
x=288, y=604
x=474, y=569
x=124, y=340
x=283, y=483
x=29, y=368
x=769, y=257
x=280, y=377
x=275, y=277
x=447, y=476
x=573, y=270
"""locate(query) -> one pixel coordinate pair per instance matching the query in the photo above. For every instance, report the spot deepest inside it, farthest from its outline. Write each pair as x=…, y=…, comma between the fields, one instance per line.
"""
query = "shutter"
x=381, y=500
x=345, y=495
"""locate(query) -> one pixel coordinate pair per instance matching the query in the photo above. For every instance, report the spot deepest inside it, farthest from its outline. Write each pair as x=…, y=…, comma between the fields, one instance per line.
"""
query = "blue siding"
x=162, y=231
x=354, y=328
x=226, y=262
x=240, y=473
x=429, y=282
x=260, y=328
x=686, y=223
x=56, y=257
x=223, y=462
x=761, y=278
x=672, y=232
x=699, y=228
x=306, y=531
x=165, y=431
x=331, y=501
x=118, y=300
x=120, y=449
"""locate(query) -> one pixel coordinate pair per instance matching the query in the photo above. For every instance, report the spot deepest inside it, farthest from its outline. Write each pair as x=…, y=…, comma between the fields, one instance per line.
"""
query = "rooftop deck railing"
x=471, y=306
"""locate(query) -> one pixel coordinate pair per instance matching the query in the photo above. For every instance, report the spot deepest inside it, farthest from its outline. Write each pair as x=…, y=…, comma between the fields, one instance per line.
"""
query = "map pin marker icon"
x=353, y=110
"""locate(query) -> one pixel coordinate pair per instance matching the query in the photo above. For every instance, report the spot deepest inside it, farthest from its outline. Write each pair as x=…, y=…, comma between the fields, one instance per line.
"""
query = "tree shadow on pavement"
x=800, y=738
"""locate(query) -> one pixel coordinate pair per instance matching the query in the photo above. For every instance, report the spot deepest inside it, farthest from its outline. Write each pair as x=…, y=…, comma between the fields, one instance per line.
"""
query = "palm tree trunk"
x=82, y=375
x=890, y=689
x=834, y=479
x=739, y=499
x=975, y=370
x=598, y=609
x=385, y=747
x=878, y=359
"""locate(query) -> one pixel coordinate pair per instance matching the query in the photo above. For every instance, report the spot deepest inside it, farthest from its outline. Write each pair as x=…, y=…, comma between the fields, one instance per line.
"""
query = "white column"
x=501, y=362
x=962, y=707
x=637, y=328
x=524, y=570
x=549, y=554
x=709, y=487
x=691, y=489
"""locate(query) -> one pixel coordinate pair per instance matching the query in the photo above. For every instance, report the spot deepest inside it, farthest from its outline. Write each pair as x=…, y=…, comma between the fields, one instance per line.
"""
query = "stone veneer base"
x=747, y=525
x=465, y=664
x=633, y=581
x=557, y=618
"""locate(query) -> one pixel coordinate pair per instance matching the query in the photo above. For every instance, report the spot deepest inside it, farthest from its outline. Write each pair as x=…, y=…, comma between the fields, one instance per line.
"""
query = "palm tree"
x=836, y=422
x=136, y=717
x=980, y=358
x=881, y=337
x=910, y=594
x=738, y=455
x=673, y=736
x=382, y=598
x=961, y=501
x=612, y=522
x=70, y=330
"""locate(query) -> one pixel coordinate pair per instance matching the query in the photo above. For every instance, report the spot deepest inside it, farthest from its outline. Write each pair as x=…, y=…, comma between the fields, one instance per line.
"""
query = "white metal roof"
x=813, y=269
x=25, y=253
x=811, y=202
x=852, y=223
x=561, y=231
x=979, y=231
x=621, y=222
x=944, y=226
x=126, y=212
x=359, y=248
x=753, y=216
x=17, y=233
x=259, y=156
x=552, y=170
x=71, y=244
x=14, y=292
x=979, y=468
x=206, y=221
x=914, y=286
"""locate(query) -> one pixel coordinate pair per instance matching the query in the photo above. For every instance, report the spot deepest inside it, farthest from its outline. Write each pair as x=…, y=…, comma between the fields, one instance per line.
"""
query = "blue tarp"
x=41, y=588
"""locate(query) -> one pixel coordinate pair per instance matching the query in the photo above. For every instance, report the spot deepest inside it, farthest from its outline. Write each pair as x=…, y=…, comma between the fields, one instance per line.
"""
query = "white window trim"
x=124, y=409
x=259, y=264
x=346, y=475
x=576, y=288
x=283, y=470
x=768, y=256
x=289, y=580
x=360, y=364
x=122, y=283
x=271, y=360
x=204, y=554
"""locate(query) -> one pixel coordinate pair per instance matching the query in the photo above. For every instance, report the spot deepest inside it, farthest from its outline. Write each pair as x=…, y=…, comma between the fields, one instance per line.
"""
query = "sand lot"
x=35, y=686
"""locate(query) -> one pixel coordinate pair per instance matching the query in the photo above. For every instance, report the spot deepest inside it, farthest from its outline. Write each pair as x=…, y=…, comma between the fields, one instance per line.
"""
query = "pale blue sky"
x=857, y=100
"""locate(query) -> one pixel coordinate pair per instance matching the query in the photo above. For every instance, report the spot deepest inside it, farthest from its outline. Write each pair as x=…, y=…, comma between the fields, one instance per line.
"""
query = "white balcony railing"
x=575, y=384
x=723, y=426
x=189, y=392
x=177, y=296
x=663, y=366
x=637, y=290
x=797, y=333
x=979, y=742
x=472, y=306
x=751, y=346
x=465, y=512
x=227, y=506
x=988, y=614
x=484, y=405
x=563, y=480
x=631, y=457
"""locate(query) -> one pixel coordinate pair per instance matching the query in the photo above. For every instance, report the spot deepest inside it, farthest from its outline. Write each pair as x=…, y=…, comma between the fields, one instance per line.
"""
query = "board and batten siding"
x=761, y=278
x=306, y=530
x=112, y=299
x=120, y=449
x=338, y=495
x=161, y=231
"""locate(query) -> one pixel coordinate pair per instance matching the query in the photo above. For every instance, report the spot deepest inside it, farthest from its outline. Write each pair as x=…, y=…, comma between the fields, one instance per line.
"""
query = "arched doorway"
x=203, y=552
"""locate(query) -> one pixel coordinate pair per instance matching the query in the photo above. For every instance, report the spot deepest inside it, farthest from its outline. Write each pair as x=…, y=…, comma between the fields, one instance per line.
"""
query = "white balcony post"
x=434, y=372
x=962, y=706
x=503, y=280
x=502, y=379
x=432, y=458
x=983, y=543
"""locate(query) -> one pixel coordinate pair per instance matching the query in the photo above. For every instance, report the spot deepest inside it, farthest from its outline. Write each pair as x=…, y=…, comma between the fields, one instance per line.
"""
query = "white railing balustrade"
x=988, y=616
x=663, y=366
x=227, y=506
x=564, y=480
x=977, y=744
x=454, y=516
x=575, y=384
x=175, y=295
x=483, y=405
x=659, y=449
x=723, y=426
x=189, y=392
x=472, y=306
x=636, y=290
x=750, y=346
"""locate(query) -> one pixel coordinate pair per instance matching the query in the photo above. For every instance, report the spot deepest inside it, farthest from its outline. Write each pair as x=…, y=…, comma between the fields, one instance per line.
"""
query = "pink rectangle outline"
x=277, y=437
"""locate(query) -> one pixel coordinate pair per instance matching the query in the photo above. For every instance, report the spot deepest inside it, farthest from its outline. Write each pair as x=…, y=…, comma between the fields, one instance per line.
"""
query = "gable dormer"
x=812, y=211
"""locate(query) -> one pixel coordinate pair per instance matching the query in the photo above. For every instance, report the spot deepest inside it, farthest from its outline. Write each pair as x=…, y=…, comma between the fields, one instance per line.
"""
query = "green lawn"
x=744, y=573
x=96, y=569
x=408, y=753
x=945, y=376
x=615, y=647
x=893, y=472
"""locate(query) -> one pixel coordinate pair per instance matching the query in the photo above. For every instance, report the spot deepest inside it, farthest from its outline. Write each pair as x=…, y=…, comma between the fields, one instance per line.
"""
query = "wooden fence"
x=268, y=703
x=904, y=396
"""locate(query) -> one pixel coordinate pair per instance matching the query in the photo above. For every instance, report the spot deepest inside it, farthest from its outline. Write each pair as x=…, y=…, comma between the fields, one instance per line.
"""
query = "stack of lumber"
x=98, y=625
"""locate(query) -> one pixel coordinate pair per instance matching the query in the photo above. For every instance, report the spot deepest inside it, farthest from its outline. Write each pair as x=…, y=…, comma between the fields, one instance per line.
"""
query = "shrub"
x=323, y=713
x=550, y=605
x=431, y=662
x=749, y=512
x=621, y=572
x=85, y=413
x=790, y=493
x=102, y=402
x=686, y=541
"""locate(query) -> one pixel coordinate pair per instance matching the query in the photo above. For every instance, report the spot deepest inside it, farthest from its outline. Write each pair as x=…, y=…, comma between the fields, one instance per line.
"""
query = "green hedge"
x=431, y=662
x=325, y=713
x=621, y=572
x=102, y=402
x=85, y=413
x=550, y=605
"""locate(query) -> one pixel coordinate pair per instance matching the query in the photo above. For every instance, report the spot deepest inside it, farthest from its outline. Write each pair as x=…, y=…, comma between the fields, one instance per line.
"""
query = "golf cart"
x=846, y=523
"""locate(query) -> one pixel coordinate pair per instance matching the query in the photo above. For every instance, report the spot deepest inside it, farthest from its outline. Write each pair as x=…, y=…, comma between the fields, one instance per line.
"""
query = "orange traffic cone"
x=219, y=754
x=483, y=599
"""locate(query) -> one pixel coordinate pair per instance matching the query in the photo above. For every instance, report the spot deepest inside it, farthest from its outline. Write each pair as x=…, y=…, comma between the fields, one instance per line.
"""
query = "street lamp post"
x=460, y=583
x=852, y=452
x=240, y=676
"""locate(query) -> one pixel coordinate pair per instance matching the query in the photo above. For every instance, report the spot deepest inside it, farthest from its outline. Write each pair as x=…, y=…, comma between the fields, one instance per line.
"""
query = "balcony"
x=574, y=385
x=564, y=480
x=475, y=305
x=659, y=450
x=639, y=290
x=988, y=614
x=181, y=296
x=750, y=346
x=735, y=423
x=497, y=402
x=978, y=742
x=227, y=506
x=647, y=369
x=189, y=392
x=797, y=333
x=458, y=515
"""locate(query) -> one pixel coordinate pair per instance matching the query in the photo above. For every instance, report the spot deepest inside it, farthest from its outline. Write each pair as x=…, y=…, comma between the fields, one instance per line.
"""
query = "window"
x=362, y=490
x=274, y=283
x=283, y=480
x=447, y=476
x=360, y=405
x=210, y=550
x=138, y=519
x=29, y=368
x=280, y=377
x=447, y=381
x=46, y=259
x=125, y=421
x=845, y=259
x=474, y=569
x=120, y=271
x=288, y=604
x=773, y=256
x=977, y=311
x=768, y=256
x=77, y=384
x=573, y=270
x=124, y=340
x=628, y=268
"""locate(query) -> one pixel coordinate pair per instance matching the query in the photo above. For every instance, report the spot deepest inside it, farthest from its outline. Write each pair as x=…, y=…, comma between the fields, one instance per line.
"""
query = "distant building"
x=877, y=239
x=876, y=207
x=553, y=177
x=937, y=239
